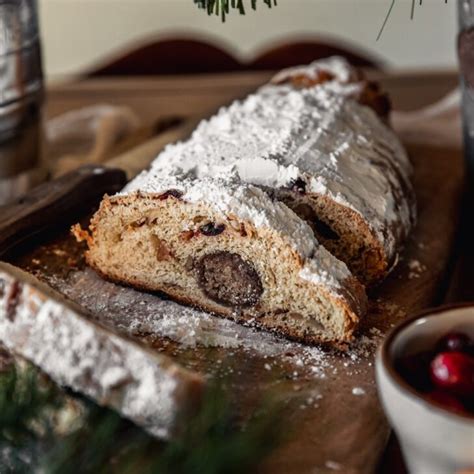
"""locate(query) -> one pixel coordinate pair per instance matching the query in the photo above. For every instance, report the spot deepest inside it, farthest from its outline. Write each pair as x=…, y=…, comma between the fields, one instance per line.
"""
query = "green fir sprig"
x=223, y=7
x=34, y=435
x=389, y=12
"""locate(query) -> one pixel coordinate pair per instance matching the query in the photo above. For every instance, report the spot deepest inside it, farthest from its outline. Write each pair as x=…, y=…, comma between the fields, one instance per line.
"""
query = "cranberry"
x=446, y=400
x=414, y=369
x=212, y=229
x=454, y=341
x=454, y=372
x=171, y=192
x=298, y=186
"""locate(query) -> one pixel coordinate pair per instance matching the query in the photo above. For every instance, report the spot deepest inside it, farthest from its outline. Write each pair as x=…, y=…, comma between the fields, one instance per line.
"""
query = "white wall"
x=77, y=33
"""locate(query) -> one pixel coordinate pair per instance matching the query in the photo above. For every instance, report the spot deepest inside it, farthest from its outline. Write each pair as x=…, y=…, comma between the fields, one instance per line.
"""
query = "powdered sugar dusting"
x=135, y=313
x=416, y=268
x=337, y=66
x=324, y=269
x=333, y=465
x=228, y=195
x=338, y=147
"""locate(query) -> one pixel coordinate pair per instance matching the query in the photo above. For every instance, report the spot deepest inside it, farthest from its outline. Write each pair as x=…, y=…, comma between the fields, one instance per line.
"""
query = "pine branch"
x=390, y=8
x=223, y=7
x=27, y=402
x=98, y=440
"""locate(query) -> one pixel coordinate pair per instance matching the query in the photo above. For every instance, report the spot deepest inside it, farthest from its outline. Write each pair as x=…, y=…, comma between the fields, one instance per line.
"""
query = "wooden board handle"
x=56, y=202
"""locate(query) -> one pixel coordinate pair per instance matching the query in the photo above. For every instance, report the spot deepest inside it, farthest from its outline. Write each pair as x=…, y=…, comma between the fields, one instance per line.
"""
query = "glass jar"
x=21, y=98
x=466, y=64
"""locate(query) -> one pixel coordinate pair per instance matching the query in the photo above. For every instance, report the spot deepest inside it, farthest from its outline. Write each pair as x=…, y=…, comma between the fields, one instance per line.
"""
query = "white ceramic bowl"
x=433, y=440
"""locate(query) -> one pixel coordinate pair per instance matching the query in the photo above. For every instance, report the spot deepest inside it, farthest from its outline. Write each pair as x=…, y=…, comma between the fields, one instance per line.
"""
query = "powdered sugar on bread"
x=337, y=66
x=338, y=147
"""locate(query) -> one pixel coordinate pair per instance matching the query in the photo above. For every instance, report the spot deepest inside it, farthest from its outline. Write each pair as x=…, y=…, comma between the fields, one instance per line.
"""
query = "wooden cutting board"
x=336, y=421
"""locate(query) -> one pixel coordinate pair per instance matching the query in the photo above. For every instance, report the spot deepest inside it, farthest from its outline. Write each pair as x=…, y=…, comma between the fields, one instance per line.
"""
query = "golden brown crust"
x=372, y=96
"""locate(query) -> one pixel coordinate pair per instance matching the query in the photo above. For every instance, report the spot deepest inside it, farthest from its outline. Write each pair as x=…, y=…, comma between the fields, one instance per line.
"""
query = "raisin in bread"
x=326, y=156
x=225, y=247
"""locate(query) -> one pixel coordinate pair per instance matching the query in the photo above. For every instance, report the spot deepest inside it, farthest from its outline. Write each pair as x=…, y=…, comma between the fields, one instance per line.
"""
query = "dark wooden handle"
x=56, y=202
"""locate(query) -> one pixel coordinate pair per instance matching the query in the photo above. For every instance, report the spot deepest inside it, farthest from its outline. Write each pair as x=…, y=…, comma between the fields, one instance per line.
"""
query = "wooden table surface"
x=155, y=98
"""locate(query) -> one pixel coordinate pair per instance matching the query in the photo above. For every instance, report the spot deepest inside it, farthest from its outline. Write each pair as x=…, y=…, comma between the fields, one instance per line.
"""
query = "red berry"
x=446, y=400
x=415, y=369
x=454, y=372
x=211, y=229
x=454, y=341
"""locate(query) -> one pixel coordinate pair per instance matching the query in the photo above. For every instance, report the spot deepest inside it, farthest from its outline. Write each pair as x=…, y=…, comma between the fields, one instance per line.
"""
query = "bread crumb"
x=335, y=466
x=416, y=269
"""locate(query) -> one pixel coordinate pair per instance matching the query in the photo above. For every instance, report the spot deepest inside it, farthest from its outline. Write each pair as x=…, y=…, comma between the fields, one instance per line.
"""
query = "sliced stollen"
x=329, y=158
x=226, y=247
x=53, y=333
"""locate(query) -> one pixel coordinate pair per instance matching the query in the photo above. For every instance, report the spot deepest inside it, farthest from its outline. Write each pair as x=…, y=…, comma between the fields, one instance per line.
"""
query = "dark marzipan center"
x=228, y=279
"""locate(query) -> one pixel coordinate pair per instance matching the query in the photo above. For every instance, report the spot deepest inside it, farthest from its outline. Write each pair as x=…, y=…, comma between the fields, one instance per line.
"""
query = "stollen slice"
x=225, y=246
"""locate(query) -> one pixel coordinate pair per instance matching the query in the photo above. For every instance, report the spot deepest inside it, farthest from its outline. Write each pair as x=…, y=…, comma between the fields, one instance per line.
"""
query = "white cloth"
x=438, y=124
x=87, y=135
